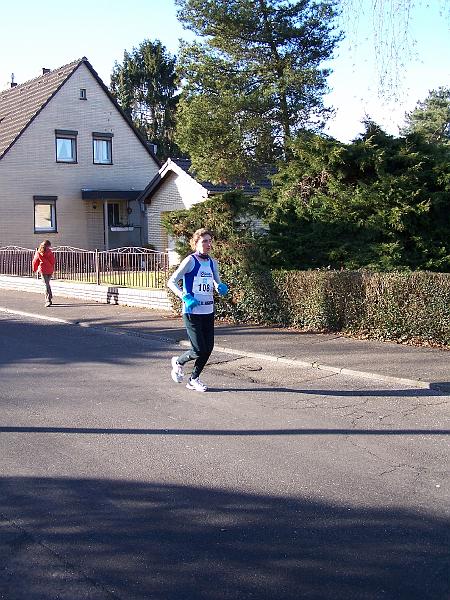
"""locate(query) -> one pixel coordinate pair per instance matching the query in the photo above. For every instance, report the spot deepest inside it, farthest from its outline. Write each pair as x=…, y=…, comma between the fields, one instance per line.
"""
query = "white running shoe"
x=177, y=372
x=196, y=384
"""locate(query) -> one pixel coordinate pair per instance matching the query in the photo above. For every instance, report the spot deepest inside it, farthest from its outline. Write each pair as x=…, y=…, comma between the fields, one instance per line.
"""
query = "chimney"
x=13, y=83
x=45, y=71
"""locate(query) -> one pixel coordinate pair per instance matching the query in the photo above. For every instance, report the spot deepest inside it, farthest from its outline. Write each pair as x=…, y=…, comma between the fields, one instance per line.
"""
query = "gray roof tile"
x=19, y=105
x=218, y=188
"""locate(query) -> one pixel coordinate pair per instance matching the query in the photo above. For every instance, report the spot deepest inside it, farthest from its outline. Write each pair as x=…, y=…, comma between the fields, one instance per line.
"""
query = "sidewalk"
x=406, y=365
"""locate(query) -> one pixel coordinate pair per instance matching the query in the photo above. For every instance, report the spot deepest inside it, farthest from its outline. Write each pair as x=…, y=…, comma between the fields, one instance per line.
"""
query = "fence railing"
x=130, y=266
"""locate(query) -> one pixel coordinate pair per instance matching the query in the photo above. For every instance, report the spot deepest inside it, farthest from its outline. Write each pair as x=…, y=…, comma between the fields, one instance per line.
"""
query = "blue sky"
x=51, y=33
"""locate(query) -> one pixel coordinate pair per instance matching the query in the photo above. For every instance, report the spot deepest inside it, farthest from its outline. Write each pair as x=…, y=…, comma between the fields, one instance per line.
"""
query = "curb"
x=417, y=383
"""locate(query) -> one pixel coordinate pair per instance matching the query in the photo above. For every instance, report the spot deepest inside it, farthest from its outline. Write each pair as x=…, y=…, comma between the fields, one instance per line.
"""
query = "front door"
x=120, y=232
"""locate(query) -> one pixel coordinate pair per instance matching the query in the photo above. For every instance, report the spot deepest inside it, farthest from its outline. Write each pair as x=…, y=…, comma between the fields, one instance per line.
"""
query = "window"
x=44, y=214
x=102, y=148
x=83, y=94
x=113, y=214
x=66, y=146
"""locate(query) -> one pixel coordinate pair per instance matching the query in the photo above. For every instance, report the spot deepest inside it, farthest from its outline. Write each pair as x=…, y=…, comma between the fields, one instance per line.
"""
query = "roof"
x=21, y=104
x=110, y=194
x=219, y=188
x=183, y=165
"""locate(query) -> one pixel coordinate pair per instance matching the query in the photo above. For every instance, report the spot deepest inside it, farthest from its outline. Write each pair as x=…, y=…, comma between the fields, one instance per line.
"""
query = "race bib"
x=203, y=284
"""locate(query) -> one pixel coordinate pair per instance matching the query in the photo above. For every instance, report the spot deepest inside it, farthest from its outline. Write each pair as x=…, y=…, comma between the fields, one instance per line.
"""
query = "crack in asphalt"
x=416, y=471
x=394, y=468
x=413, y=409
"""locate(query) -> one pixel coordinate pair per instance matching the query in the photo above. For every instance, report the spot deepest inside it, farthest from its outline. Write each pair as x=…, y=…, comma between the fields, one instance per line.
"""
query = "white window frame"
x=66, y=135
x=49, y=201
x=102, y=140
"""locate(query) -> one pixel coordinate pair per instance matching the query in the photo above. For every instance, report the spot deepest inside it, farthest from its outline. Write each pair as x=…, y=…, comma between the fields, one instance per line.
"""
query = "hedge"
x=398, y=306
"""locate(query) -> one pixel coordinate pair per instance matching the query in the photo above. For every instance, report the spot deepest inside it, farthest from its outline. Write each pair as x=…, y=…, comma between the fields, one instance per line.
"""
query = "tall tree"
x=431, y=118
x=145, y=87
x=254, y=81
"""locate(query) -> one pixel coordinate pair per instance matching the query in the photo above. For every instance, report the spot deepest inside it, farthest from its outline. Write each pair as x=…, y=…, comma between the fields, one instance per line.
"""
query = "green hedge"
x=387, y=306
x=408, y=306
x=403, y=307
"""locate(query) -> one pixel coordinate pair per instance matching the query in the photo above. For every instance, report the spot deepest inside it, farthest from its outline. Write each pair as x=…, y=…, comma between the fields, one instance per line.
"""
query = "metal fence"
x=129, y=267
x=16, y=261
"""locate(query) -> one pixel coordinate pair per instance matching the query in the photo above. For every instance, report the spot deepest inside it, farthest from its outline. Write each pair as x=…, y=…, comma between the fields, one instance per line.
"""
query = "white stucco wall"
x=177, y=192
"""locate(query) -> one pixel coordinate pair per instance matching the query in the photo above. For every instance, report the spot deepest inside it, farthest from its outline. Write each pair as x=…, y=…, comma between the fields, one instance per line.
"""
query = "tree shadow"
x=48, y=341
x=92, y=538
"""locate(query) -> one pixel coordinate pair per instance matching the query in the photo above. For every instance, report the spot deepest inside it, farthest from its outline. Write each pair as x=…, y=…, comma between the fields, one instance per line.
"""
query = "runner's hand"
x=190, y=302
x=222, y=288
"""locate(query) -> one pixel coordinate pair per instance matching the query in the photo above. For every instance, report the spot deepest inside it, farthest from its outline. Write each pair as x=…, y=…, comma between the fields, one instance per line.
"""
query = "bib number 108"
x=204, y=287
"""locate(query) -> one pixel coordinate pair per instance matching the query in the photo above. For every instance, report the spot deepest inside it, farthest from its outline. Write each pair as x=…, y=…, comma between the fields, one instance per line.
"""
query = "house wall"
x=177, y=192
x=29, y=168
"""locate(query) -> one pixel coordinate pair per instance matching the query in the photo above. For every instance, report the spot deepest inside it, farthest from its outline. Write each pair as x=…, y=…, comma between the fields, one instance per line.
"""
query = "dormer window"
x=83, y=95
x=66, y=145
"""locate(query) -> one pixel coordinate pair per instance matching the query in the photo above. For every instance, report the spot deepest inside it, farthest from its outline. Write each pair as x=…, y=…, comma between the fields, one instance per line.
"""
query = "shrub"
x=408, y=307
x=321, y=300
x=403, y=307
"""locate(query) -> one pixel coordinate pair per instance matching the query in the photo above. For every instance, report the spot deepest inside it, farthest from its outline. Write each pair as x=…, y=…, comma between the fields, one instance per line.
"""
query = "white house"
x=72, y=166
x=174, y=187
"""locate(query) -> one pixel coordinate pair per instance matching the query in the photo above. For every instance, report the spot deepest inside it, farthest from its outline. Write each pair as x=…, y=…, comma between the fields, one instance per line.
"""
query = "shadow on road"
x=219, y=432
x=56, y=343
x=98, y=539
x=361, y=393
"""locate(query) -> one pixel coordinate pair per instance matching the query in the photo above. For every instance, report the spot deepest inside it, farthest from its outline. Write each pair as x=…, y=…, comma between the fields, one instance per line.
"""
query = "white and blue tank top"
x=198, y=278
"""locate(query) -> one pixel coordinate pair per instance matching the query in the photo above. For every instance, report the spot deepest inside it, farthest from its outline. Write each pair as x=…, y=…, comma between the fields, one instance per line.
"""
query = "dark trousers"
x=200, y=330
x=48, y=289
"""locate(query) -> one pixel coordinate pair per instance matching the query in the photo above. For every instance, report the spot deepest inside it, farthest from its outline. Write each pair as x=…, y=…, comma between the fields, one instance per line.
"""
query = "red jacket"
x=44, y=263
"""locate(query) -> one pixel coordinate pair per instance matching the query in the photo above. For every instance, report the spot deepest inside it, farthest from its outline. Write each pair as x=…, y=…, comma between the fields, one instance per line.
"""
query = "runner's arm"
x=215, y=270
x=173, y=283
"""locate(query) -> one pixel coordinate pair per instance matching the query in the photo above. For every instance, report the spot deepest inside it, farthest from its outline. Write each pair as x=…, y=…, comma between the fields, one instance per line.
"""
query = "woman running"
x=200, y=275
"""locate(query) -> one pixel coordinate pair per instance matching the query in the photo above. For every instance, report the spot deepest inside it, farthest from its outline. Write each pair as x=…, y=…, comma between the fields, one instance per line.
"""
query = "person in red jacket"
x=44, y=263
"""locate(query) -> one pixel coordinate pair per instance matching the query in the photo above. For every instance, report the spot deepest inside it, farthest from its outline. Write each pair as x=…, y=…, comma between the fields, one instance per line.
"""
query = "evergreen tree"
x=145, y=87
x=431, y=118
x=380, y=202
x=253, y=83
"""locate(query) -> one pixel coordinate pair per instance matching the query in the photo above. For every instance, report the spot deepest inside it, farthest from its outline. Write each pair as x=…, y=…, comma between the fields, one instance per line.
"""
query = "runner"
x=200, y=275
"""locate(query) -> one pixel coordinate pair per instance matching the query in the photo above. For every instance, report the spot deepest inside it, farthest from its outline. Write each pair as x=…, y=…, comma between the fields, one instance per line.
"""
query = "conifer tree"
x=145, y=87
x=253, y=81
x=431, y=118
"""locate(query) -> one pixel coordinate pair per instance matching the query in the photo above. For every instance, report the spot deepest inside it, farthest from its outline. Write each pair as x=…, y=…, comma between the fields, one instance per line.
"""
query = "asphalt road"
x=116, y=483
